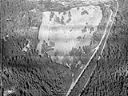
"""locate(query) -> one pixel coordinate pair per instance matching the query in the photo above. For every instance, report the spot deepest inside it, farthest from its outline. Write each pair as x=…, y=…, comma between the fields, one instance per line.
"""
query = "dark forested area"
x=27, y=74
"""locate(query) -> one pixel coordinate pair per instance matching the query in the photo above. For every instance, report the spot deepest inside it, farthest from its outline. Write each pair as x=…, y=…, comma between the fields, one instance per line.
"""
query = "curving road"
x=72, y=90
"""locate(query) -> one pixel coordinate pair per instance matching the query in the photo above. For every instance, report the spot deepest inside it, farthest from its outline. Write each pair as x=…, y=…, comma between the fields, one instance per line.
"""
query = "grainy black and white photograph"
x=63, y=47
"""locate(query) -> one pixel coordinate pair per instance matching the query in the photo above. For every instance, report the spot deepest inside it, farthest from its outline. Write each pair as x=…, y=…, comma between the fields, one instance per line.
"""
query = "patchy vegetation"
x=111, y=75
x=28, y=74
